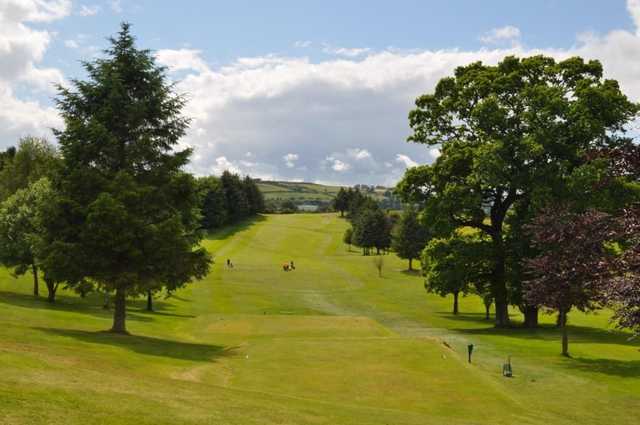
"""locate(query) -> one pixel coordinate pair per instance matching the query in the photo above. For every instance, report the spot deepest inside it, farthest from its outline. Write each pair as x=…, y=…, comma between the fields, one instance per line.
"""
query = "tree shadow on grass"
x=91, y=305
x=179, y=298
x=63, y=303
x=226, y=231
x=415, y=273
x=160, y=308
x=623, y=369
x=148, y=345
x=577, y=334
x=584, y=334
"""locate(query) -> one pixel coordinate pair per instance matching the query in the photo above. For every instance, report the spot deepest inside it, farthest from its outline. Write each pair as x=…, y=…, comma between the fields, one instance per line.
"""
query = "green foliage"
x=22, y=230
x=254, y=196
x=358, y=202
x=128, y=214
x=235, y=195
x=371, y=230
x=513, y=137
x=456, y=265
x=218, y=194
x=214, y=209
x=409, y=236
x=34, y=159
x=347, y=237
x=341, y=201
x=6, y=157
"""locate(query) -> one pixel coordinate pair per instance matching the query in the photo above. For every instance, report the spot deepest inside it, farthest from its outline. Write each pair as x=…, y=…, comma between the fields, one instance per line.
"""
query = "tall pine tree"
x=128, y=213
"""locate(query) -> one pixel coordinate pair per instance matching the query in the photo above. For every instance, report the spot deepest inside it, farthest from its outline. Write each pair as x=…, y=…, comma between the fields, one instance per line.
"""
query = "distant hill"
x=301, y=193
x=297, y=191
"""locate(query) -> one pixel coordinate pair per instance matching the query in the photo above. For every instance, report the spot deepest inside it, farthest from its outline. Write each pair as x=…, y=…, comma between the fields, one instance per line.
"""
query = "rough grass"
x=329, y=343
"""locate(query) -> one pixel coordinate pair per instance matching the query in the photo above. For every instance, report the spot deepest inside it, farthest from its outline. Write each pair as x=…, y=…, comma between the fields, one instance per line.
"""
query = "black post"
x=470, y=350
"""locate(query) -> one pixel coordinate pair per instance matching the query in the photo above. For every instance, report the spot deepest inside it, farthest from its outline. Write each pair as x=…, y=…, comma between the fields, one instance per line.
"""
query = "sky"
x=298, y=90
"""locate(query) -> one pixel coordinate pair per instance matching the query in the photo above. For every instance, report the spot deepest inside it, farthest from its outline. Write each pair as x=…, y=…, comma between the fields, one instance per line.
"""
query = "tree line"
x=112, y=209
x=373, y=228
x=533, y=200
x=228, y=199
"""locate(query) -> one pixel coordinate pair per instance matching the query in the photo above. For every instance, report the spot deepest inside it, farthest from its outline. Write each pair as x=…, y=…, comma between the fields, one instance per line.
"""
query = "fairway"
x=328, y=343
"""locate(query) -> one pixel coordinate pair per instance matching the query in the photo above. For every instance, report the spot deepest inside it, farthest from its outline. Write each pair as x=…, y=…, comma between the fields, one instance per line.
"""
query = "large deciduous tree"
x=509, y=134
x=128, y=215
x=409, y=236
x=574, y=262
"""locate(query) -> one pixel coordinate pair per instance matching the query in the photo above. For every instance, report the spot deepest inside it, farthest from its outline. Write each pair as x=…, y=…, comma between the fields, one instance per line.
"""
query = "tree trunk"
x=120, y=312
x=487, y=311
x=149, y=301
x=455, y=302
x=51, y=289
x=410, y=264
x=499, y=286
x=36, y=286
x=105, y=305
x=565, y=335
x=377, y=251
x=530, y=316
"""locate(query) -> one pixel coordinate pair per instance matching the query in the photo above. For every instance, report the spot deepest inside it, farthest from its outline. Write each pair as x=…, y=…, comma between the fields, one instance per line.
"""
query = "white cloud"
x=22, y=48
x=358, y=154
x=116, y=6
x=72, y=44
x=502, y=34
x=223, y=164
x=404, y=159
x=633, y=6
x=182, y=60
x=272, y=105
x=290, y=159
x=345, y=117
x=89, y=10
x=19, y=11
x=338, y=165
x=350, y=52
x=302, y=43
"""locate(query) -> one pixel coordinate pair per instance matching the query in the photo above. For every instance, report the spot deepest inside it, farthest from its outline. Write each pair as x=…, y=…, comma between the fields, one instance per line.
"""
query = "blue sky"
x=301, y=90
x=225, y=30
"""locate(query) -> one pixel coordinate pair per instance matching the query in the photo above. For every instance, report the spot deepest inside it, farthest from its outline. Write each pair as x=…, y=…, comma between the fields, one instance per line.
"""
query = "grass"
x=329, y=343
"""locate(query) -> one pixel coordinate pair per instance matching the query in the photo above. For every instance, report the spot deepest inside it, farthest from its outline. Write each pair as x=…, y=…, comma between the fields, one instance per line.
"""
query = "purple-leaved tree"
x=574, y=263
x=623, y=293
